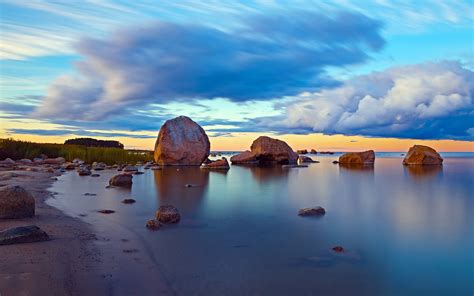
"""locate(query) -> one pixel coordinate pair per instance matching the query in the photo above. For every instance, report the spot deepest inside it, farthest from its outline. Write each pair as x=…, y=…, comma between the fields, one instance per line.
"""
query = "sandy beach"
x=76, y=261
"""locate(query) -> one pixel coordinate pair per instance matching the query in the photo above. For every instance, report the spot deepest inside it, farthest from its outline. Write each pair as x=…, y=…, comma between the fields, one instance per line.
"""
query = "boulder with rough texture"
x=221, y=164
x=245, y=157
x=23, y=234
x=181, y=141
x=168, y=214
x=361, y=158
x=267, y=149
x=55, y=161
x=16, y=202
x=317, y=211
x=121, y=180
x=422, y=155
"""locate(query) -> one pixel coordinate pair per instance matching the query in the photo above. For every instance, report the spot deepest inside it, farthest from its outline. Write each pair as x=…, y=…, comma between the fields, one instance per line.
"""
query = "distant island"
x=90, y=142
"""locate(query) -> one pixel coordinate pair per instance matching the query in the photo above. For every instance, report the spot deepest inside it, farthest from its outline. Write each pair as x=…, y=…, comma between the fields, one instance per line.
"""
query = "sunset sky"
x=330, y=75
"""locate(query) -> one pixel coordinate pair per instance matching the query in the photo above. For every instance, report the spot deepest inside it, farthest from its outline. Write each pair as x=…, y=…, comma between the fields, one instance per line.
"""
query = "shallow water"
x=406, y=231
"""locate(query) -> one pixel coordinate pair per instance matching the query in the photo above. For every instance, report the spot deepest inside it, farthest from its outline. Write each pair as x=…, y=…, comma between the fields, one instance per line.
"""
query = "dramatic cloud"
x=265, y=57
x=424, y=101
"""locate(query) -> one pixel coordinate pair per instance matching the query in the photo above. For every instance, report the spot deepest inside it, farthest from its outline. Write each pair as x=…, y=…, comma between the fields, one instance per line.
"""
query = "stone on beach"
x=16, y=202
x=316, y=211
x=121, y=180
x=267, y=149
x=168, y=214
x=221, y=164
x=23, y=234
x=181, y=141
x=55, y=161
x=361, y=158
x=245, y=157
x=422, y=155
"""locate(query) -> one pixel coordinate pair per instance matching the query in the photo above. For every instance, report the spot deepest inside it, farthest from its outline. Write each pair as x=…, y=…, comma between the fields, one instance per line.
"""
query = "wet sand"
x=76, y=261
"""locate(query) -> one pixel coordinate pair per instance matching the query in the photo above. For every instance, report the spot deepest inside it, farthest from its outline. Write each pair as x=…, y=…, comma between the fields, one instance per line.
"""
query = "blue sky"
x=110, y=68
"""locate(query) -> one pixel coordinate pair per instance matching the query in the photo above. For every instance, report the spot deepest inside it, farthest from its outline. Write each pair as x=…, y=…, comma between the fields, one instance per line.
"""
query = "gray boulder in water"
x=23, y=234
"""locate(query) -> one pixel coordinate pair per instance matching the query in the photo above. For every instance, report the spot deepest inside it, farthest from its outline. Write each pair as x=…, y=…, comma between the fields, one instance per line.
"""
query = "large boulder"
x=16, y=202
x=267, y=149
x=422, y=155
x=121, y=180
x=220, y=164
x=23, y=234
x=181, y=141
x=245, y=157
x=168, y=214
x=359, y=158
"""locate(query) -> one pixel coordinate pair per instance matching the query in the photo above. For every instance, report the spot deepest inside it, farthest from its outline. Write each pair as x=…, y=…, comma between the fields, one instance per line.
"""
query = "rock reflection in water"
x=423, y=171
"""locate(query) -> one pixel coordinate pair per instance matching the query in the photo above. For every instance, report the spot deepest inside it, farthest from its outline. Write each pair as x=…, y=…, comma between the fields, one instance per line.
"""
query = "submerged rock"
x=168, y=214
x=245, y=157
x=316, y=211
x=221, y=164
x=267, y=149
x=122, y=180
x=130, y=169
x=23, y=234
x=106, y=211
x=422, y=155
x=153, y=224
x=16, y=202
x=292, y=166
x=128, y=201
x=362, y=158
x=181, y=141
x=338, y=249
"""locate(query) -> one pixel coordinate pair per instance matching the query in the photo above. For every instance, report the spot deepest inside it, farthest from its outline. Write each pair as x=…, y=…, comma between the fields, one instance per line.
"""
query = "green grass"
x=16, y=150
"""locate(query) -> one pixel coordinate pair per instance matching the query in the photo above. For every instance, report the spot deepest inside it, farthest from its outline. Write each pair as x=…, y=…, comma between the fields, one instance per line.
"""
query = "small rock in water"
x=138, y=173
x=23, y=234
x=338, y=249
x=156, y=167
x=189, y=185
x=335, y=162
x=317, y=211
x=153, y=224
x=128, y=201
x=130, y=250
x=123, y=180
x=90, y=194
x=168, y=214
x=106, y=211
x=292, y=166
x=95, y=175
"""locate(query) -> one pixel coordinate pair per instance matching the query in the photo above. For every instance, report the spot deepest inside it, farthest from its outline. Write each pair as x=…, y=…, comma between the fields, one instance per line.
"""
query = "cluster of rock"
x=220, y=164
x=166, y=214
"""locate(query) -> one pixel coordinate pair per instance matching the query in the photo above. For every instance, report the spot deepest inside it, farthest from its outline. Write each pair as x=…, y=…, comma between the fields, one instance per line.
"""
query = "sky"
x=340, y=75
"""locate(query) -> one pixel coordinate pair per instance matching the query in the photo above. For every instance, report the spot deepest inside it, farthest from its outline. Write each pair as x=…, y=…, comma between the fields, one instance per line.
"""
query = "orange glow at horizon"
x=319, y=142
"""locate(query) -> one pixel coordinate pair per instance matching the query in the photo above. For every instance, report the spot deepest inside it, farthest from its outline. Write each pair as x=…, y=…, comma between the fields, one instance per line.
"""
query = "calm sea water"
x=406, y=230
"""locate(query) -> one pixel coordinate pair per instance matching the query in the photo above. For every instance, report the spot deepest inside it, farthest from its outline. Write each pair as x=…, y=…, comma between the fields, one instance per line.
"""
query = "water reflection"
x=424, y=171
x=268, y=173
x=356, y=168
x=183, y=187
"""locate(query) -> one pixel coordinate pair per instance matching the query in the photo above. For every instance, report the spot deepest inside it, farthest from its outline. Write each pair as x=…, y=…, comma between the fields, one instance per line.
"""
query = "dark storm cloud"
x=265, y=57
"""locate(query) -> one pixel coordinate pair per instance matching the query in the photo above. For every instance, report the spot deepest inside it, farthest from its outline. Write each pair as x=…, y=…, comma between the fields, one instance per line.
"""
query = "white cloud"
x=427, y=100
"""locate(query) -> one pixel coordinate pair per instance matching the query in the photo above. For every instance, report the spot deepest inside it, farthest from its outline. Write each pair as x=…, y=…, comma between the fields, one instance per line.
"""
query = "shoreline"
x=77, y=260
